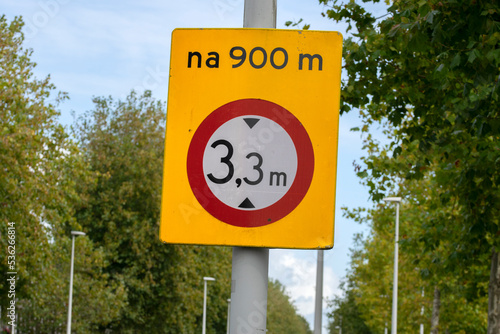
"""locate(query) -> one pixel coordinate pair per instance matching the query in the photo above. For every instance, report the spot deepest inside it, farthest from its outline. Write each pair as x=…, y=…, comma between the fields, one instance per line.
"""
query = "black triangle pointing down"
x=251, y=121
x=246, y=204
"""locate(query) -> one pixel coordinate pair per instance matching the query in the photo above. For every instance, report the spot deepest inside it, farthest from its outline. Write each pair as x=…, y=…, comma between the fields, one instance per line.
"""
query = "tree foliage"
x=366, y=307
x=431, y=70
x=346, y=315
x=422, y=264
x=123, y=143
x=40, y=167
x=282, y=316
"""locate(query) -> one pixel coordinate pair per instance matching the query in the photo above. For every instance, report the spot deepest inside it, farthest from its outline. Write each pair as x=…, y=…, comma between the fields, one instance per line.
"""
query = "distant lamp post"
x=339, y=327
x=394, y=321
x=385, y=297
x=422, y=313
x=74, y=234
x=228, y=314
x=205, y=280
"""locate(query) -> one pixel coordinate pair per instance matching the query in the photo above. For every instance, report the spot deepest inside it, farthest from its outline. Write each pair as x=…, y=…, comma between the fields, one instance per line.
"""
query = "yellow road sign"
x=251, y=139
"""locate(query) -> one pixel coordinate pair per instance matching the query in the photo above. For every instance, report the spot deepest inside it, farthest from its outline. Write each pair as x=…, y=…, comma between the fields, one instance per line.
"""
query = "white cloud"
x=297, y=271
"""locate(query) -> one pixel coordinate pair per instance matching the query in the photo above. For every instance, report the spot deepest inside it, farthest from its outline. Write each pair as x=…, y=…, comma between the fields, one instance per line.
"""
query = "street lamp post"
x=422, y=314
x=394, y=321
x=74, y=234
x=205, y=280
x=339, y=327
x=228, y=313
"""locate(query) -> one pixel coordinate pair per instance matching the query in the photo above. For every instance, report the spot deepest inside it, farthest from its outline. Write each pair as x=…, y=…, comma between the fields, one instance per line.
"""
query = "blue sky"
x=107, y=48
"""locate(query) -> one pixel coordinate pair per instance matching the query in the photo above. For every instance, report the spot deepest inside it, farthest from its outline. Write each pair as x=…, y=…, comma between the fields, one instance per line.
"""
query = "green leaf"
x=362, y=174
x=473, y=55
x=429, y=18
x=397, y=151
x=455, y=61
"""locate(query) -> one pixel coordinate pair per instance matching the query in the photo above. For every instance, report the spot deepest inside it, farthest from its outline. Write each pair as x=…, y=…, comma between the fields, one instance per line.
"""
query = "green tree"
x=282, y=316
x=421, y=263
x=431, y=68
x=40, y=167
x=420, y=213
x=346, y=313
x=366, y=307
x=123, y=142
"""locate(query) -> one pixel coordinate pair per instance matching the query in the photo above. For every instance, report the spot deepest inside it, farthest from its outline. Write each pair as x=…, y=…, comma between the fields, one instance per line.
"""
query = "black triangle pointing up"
x=246, y=204
x=251, y=121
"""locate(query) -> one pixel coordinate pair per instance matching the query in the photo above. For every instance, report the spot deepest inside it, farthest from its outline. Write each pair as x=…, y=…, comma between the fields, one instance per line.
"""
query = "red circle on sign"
x=289, y=201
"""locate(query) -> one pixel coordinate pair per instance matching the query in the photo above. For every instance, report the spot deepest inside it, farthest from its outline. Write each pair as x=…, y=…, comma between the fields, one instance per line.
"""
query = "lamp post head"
x=208, y=279
x=392, y=199
x=77, y=233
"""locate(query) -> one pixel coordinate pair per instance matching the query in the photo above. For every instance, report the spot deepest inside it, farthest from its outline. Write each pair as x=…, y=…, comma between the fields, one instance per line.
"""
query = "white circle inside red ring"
x=244, y=217
x=261, y=150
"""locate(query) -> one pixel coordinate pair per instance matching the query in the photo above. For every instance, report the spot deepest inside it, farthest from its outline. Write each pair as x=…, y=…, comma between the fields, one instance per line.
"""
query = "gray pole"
x=204, y=323
x=68, y=329
x=250, y=265
x=259, y=14
x=228, y=313
x=422, y=314
x=318, y=310
x=73, y=235
x=394, y=326
x=249, y=290
x=394, y=320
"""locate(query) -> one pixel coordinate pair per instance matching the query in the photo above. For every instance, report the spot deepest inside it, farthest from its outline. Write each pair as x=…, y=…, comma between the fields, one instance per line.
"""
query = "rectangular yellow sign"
x=251, y=138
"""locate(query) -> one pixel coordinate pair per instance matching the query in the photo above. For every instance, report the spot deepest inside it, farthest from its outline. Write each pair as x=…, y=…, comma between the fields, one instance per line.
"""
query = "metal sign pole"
x=259, y=14
x=318, y=310
x=250, y=265
x=249, y=290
